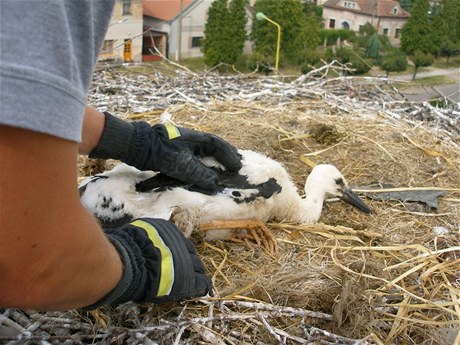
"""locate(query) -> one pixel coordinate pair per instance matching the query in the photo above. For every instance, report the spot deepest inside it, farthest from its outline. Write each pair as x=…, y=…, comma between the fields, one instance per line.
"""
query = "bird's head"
x=327, y=179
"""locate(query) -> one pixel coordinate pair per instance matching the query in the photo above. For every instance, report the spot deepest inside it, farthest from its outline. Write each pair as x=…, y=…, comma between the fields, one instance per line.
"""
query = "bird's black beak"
x=351, y=198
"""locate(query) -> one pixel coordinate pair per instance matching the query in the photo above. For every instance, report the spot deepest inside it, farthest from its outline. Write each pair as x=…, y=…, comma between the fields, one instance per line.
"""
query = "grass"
x=454, y=62
x=427, y=81
x=198, y=65
x=432, y=81
x=241, y=65
x=194, y=64
x=145, y=68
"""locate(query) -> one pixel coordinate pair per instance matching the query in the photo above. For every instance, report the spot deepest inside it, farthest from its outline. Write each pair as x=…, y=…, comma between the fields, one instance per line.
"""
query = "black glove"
x=159, y=264
x=171, y=150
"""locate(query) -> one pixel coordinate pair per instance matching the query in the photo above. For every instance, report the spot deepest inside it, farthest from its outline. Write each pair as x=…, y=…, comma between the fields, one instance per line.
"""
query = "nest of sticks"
x=392, y=277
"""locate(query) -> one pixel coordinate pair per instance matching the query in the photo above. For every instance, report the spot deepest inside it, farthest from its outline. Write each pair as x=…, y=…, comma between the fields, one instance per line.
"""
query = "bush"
x=440, y=103
x=421, y=59
x=359, y=65
x=365, y=33
x=313, y=60
x=329, y=55
x=367, y=30
x=344, y=55
x=260, y=62
x=373, y=47
x=449, y=49
x=355, y=59
x=333, y=35
x=395, y=61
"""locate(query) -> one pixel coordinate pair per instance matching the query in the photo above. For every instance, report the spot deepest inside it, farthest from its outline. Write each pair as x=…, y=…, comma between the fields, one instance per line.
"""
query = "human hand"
x=160, y=265
x=172, y=150
x=175, y=151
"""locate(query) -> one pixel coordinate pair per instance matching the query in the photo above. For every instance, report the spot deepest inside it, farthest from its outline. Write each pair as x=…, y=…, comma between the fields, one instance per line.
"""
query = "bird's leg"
x=258, y=231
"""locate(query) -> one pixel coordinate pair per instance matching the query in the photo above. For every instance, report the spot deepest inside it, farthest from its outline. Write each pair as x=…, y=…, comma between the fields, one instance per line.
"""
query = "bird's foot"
x=256, y=231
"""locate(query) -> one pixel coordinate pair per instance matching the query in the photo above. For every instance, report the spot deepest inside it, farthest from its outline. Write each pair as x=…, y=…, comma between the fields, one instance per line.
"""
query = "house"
x=123, y=41
x=386, y=16
x=176, y=28
x=168, y=25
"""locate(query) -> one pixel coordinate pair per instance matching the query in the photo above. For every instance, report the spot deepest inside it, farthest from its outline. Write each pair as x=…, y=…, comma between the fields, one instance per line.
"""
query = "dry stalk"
x=387, y=278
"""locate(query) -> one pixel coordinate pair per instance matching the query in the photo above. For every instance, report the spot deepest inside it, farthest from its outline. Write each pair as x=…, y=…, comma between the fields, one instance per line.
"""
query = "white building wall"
x=193, y=24
x=392, y=24
x=355, y=20
x=119, y=32
x=125, y=27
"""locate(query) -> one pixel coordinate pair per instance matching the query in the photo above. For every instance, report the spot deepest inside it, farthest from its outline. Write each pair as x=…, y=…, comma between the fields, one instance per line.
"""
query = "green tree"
x=446, y=26
x=394, y=61
x=238, y=20
x=373, y=47
x=367, y=30
x=450, y=14
x=439, y=29
x=405, y=4
x=300, y=32
x=365, y=33
x=224, y=33
x=421, y=59
x=449, y=49
x=312, y=9
x=417, y=33
x=216, y=33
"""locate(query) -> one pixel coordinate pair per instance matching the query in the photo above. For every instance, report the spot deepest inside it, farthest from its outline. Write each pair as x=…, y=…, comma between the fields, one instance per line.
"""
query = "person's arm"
x=53, y=255
x=93, y=126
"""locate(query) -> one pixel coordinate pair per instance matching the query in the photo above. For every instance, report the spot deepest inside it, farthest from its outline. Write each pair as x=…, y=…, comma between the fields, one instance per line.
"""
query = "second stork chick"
x=261, y=191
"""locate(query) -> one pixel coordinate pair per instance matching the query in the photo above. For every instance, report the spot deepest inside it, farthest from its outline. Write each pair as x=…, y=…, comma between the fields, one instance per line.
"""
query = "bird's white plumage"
x=119, y=189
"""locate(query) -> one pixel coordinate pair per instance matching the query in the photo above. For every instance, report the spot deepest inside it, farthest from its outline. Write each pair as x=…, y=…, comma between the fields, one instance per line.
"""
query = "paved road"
x=419, y=93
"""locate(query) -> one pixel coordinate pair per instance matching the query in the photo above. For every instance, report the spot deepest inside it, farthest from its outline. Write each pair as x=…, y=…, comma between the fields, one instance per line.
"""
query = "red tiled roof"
x=163, y=9
x=379, y=8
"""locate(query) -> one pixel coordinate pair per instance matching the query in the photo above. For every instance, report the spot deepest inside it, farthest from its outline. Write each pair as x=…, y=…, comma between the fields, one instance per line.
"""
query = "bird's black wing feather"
x=227, y=180
x=159, y=183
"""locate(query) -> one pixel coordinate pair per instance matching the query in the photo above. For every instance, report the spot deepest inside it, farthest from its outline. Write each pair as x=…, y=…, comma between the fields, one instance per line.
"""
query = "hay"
x=384, y=278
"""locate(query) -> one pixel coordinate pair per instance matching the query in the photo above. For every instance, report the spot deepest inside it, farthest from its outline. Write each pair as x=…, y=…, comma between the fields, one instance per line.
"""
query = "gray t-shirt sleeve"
x=48, y=50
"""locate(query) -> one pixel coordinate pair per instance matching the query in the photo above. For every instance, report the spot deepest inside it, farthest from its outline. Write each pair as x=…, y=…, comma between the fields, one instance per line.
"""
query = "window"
x=397, y=33
x=126, y=7
x=349, y=4
x=385, y=31
x=107, y=48
x=331, y=23
x=197, y=41
x=395, y=10
x=345, y=26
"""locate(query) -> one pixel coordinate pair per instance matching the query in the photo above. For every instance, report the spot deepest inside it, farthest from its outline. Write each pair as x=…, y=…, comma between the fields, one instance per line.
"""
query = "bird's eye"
x=339, y=182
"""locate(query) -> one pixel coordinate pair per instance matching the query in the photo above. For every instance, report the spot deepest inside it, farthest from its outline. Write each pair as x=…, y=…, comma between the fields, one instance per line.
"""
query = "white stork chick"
x=262, y=190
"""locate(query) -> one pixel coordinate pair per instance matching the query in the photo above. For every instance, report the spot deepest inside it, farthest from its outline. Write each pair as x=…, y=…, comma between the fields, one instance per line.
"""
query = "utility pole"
x=179, y=51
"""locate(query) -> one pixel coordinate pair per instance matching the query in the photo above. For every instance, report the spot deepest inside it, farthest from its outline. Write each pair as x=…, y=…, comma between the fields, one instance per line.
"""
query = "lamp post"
x=261, y=16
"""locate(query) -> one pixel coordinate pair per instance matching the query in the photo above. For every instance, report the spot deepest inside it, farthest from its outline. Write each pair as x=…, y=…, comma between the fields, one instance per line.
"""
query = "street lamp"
x=261, y=16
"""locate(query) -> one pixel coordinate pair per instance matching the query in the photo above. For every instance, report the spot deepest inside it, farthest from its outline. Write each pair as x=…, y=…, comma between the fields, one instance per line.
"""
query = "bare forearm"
x=53, y=255
x=93, y=125
x=67, y=272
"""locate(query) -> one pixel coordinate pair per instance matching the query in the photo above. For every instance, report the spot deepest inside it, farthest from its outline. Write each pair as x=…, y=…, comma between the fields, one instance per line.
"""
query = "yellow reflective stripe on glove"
x=167, y=265
x=173, y=131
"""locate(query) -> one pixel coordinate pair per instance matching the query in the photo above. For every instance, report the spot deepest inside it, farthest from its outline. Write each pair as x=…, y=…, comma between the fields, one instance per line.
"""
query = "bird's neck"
x=311, y=207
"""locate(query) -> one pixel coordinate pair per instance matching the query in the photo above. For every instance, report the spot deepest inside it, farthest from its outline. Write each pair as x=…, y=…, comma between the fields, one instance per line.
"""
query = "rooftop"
x=379, y=8
x=164, y=9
